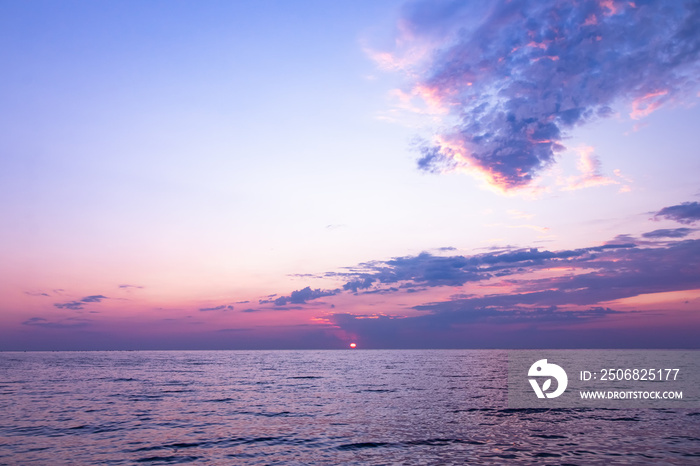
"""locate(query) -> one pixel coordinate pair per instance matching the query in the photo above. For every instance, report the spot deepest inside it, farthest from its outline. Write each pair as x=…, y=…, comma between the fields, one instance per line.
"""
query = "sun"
x=353, y=345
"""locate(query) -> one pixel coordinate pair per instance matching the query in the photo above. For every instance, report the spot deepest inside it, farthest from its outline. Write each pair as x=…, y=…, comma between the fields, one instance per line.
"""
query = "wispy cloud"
x=223, y=307
x=515, y=82
x=79, y=304
x=590, y=174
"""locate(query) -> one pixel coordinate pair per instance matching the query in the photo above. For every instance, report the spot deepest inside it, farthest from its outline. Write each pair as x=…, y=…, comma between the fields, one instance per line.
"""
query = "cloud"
x=130, y=286
x=612, y=275
x=447, y=319
x=686, y=213
x=482, y=328
x=30, y=293
x=524, y=294
x=66, y=323
x=277, y=307
x=428, y=270
x=300, y=296
x=223, y=307
x=34, y=321
x=516, y=214
x=93, y=298
x=516, y=75
x=77, y=305
x=668, y=233
x=431, y=295
x=589, y=168
x=74, y=305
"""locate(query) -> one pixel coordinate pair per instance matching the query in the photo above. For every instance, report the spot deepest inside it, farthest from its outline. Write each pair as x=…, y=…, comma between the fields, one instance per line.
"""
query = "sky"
x=271, y=174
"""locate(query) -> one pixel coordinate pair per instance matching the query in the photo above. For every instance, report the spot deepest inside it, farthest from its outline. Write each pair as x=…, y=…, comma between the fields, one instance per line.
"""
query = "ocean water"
x=309, y=407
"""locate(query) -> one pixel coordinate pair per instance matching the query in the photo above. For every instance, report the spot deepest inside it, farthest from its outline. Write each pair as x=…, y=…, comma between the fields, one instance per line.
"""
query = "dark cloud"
x=428, y=270
x=29, y=293
x=34, y=321
x=77, y=305
x=223, y=307
x=686, y=213
x=518, y=74
x=534, y=328
x=131, y=286
x=273, y=308
x=66, y=323
x=602, y=273
x=623, y=238
x=300, y=296
x=424, y=269
x=448, y=319
x=93, y=298
x=668, y=233
x=527, y=288
x=617, y=274
x=389, y=290
x=267, y=299
x=589, y=278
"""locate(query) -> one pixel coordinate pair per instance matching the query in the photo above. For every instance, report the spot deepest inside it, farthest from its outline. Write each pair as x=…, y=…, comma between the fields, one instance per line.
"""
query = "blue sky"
x=171, y=157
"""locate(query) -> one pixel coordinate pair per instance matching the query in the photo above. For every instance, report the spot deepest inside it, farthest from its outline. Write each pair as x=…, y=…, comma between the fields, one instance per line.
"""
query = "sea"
x=331, y=407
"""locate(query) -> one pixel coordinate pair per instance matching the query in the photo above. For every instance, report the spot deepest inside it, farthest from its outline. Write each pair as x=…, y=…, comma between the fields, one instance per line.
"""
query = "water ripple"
x=308, y=407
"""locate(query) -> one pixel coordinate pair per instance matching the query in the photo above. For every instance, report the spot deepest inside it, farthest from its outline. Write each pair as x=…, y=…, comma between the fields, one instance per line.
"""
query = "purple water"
x=308, y=407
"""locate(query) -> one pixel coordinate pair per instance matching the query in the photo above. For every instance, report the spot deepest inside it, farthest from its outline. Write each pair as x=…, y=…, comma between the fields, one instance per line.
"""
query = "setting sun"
x=353, y=345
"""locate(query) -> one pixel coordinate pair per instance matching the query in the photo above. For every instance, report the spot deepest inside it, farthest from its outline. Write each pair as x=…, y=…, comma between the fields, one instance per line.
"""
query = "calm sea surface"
x=308, y=407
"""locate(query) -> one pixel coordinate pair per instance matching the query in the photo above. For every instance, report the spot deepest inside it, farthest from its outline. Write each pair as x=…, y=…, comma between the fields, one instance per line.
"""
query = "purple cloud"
x=446, y=320
x=603, y=273
x=517, y=75
x=299, y=296
x=428, y=270
x=65, y=324
x=686, y=213
x=615, y=274
x=77, y=305
x=668, y=233
x=223, y=307
x=535, y=312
